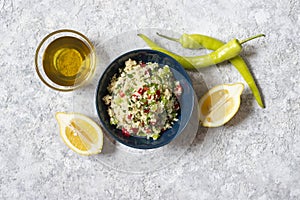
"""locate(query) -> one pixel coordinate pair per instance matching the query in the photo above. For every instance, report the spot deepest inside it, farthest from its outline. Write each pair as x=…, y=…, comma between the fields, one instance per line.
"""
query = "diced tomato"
x=178, y=89
x=147, y=72
x=148, y=130
x=143, y=64
x=122, y=94
x=157, y=94
x=140, y=91
x=125, y=132
x=129, y=116
x=134, y=130
x=176, y=106
x=135, y=96
x=145, y=88
x=146, y=110
x=153, y=123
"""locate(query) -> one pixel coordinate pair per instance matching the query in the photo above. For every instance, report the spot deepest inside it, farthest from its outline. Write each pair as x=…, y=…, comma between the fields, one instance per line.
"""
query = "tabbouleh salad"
x=143, y=99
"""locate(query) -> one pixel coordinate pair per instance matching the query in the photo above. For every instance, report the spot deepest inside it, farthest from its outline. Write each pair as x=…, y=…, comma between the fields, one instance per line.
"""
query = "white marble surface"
x=255, y=156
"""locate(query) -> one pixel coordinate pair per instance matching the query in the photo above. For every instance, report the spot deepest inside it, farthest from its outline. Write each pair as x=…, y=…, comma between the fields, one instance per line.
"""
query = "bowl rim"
x=83, y=38
x=187, y=77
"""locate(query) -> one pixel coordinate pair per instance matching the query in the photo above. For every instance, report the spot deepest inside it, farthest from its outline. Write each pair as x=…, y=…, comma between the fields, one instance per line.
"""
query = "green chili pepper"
x=225, y=52
x=184, y=62
x=195, y=41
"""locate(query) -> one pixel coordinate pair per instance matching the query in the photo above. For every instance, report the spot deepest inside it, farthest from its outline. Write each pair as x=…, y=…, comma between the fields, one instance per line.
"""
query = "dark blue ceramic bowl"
x=186, y=100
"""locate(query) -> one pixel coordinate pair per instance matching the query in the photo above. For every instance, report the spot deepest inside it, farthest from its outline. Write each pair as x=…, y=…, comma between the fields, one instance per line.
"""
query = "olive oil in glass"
x=67, y=61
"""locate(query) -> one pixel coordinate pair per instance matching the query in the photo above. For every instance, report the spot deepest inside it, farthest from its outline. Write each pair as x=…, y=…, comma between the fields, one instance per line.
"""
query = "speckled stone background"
x=256, y=156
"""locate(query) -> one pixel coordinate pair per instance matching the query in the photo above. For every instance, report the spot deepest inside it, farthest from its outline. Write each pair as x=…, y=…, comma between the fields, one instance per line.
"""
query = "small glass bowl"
x=39, y=56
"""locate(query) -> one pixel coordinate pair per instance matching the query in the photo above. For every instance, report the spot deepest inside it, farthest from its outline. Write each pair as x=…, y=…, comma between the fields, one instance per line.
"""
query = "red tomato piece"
x=134, y=130
x=125, y=132
x=140, y=91
x=122, y=94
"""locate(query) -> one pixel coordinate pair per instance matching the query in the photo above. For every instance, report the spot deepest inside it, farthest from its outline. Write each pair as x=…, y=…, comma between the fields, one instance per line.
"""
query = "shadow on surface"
x=246, y=108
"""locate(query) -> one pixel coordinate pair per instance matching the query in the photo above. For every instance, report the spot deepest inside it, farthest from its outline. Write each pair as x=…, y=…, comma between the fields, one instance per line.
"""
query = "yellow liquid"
x=67, y=61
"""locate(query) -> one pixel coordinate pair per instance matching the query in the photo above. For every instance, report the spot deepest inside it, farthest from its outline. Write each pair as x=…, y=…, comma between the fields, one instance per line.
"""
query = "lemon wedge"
x=220, y=104
x=80, y=133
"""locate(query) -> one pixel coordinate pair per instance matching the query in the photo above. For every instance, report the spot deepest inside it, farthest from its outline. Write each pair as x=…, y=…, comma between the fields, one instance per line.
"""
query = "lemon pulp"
x=80, y=133
x=220, y=104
